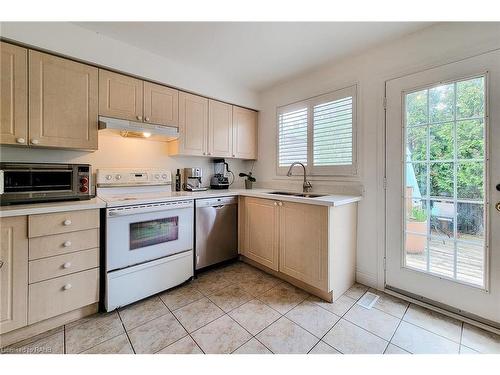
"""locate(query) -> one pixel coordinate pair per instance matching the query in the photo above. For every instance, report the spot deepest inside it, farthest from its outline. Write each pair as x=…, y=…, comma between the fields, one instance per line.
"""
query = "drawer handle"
x=67, y=265
x=67, y=244
x=67, y=222
x=67, y=287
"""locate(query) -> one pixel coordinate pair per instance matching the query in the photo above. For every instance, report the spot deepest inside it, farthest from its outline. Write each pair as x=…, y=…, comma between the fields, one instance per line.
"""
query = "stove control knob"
x=84, y=180
x=164, y=176
x=118, y=176
x=157, y=176
x=84, y=189
x=108, y=177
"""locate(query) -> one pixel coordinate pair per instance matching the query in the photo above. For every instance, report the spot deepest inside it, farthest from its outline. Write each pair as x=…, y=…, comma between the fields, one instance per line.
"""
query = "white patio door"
x=442, y=169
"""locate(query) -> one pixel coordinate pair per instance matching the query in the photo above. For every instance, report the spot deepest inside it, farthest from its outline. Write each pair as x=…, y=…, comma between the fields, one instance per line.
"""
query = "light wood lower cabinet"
x=13, y=95
x=62, y=222
x=49, y=267
x=304, y=243
x=13, y=273
x=311, y=246
x=259, y=229
x=62, y=294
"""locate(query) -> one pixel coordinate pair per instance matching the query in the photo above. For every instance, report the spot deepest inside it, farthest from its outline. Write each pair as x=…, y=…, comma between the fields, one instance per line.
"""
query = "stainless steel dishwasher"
x=216, y=230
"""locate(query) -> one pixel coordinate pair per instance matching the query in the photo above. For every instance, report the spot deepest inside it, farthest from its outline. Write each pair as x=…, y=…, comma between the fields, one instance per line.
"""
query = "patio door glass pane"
x=444, y=182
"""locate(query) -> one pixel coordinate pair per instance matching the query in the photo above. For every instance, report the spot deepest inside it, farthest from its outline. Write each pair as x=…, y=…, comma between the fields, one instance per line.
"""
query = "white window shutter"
x=332, y=133
x=292, y=137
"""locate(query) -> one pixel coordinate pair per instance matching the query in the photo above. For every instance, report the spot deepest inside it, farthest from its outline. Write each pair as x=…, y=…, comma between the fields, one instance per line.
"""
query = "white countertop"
x=326, y=200
x=332, y=200
x=44, y=208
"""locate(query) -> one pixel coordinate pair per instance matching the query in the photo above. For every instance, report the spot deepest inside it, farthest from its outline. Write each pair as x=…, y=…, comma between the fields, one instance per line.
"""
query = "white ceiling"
x=255, y=55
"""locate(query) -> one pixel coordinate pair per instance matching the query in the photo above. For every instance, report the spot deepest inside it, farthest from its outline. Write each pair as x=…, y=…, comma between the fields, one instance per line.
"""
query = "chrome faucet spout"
x=306, y=186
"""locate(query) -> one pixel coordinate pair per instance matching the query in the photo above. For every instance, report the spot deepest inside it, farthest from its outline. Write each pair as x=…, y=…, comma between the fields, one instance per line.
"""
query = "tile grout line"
x=461, y=337
x=342, y=317
x=392, y=337
x=188, y=333
x=126, y=332
x=425, y=329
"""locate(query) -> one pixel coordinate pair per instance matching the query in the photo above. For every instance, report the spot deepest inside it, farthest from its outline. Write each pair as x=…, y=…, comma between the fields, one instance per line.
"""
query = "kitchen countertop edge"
x=332, y=200
x=50, y=207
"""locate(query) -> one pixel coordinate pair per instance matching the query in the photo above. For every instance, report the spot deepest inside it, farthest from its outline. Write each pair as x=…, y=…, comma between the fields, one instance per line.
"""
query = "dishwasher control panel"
x=211, y=202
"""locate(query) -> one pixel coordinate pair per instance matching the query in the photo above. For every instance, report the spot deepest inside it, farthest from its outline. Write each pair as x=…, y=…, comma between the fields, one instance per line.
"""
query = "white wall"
x=77, y=42
x=436, y=45
x=74, y=41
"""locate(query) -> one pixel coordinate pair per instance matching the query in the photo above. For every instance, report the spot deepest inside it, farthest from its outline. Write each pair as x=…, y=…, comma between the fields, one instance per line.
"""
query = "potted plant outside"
x=417, y=223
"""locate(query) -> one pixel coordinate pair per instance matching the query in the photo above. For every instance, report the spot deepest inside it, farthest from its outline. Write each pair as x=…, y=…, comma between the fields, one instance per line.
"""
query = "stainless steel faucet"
x=306, y=186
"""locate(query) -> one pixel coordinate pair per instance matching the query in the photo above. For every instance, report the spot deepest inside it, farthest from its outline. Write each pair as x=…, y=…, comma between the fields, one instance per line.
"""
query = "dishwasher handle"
x=218, y=203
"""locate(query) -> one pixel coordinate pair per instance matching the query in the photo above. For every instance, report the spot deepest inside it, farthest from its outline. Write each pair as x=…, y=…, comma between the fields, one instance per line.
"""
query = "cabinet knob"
x=67, y=244
x=21, y=140
x=67, y=265
x=280, y=204
x=67, y=222
x=35, y=141
x=233, y=155
x=209, y=153
x=147, y=118
x=139, y=118
x=204, y=153
x=275, y=203
x=67, y=286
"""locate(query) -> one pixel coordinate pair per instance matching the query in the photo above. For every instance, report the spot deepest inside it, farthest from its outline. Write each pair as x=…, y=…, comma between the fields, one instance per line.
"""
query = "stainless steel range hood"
x=138, y=129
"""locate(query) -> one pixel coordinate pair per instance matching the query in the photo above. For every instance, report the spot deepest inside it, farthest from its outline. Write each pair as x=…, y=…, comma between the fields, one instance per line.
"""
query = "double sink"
x=304, y=195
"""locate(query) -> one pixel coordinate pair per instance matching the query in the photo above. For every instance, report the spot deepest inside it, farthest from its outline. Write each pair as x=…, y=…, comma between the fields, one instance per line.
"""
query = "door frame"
x=382, y=282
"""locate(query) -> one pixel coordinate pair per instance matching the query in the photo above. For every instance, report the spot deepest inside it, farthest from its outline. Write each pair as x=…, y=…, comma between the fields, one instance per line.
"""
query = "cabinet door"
x=13, y=273
x=244, y=133
x=304, y=252
x=161, y=105
x=62, y=102
x=13, y=94
x=220, y=129
x=120, y=96
x=193, y=123
x=261, y=229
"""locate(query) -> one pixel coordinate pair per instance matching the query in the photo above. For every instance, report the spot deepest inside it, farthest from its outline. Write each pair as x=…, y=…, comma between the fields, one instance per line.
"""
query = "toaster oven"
x=43, y=182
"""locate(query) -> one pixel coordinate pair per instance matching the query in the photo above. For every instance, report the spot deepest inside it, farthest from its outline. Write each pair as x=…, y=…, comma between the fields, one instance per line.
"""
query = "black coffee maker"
x=219, y=180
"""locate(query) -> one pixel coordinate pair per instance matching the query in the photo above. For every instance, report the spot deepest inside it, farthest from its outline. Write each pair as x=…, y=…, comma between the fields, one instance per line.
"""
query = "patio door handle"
x=497, y=206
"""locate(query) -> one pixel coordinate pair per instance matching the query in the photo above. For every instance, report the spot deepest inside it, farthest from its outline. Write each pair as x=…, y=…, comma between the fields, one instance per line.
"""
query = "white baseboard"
x=366, y=279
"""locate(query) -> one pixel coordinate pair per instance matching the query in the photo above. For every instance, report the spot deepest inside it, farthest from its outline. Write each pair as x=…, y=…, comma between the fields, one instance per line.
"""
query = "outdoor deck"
x=470, y=260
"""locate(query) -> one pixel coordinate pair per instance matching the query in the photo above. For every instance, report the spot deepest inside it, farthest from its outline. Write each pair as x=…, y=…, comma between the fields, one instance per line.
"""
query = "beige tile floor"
x=239, y=309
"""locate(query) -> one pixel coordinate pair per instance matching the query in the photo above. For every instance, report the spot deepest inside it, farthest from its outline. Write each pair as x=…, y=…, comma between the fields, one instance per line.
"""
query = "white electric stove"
x=149, y=234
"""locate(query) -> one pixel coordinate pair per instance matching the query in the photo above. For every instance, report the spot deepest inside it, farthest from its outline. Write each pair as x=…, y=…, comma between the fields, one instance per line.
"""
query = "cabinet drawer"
x=57, y=296
x=58, y=244
x=62, y=222
x=62, y=265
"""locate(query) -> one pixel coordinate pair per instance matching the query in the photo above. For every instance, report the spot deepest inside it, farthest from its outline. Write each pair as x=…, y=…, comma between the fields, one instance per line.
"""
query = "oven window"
x=153, y=232
x=44, y=180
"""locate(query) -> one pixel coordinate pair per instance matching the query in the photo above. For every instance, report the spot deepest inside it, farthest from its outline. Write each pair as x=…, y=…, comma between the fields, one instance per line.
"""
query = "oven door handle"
x=141, y=210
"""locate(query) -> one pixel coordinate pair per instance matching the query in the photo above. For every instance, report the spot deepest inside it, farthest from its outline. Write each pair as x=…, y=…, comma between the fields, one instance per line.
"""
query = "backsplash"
x=118, y=152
